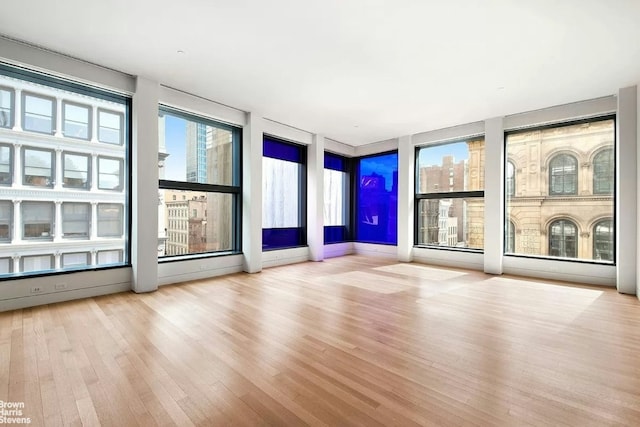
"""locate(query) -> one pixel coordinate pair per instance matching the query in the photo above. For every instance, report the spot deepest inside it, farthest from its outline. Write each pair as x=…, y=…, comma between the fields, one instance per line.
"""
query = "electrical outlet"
x=36, y=289
x=61, y=286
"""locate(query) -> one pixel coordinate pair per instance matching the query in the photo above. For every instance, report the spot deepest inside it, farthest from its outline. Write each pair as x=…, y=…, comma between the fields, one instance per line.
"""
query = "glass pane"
x=76, y=121
x=377, y=203
x=457, y=223
x=6, y=265
x=561, y=172
x=109, y=174
x=76, y=171
x=75, y=259
x=109, y=257
x=38, y=114
x=6, y=98
x=280, y=193
x=49, y=176
x=37, y=263
x=457, y=166
x=109, y=127
x=196, y=151
x=335, y=184
x=110, y=220
x=197, y=222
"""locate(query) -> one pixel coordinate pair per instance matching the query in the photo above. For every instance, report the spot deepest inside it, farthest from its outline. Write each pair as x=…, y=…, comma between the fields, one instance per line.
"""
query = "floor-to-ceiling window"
x=64, y=190
x=283, y=194
x=560, y=186
x=336, y=198
x=200, y=193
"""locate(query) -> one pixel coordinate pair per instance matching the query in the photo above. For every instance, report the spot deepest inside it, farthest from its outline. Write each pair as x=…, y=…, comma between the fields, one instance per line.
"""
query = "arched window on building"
x=563, y=175
x=603, y=174
x=511, y=180
x=510, y=238
x=563, y=238
x=603, y=240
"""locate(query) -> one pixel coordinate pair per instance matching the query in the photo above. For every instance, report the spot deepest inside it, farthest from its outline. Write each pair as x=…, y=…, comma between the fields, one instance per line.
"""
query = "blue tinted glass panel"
x=334, y=162
x=277, y=238
x=335, y=234
x=282, y=150
x=377, y=201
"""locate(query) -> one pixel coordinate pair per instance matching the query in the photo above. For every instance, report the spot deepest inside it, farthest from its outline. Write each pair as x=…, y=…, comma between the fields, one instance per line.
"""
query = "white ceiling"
x=357, y=71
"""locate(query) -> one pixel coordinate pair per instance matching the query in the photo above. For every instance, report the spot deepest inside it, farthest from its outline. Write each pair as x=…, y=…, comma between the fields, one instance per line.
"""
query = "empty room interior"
x=319, y=213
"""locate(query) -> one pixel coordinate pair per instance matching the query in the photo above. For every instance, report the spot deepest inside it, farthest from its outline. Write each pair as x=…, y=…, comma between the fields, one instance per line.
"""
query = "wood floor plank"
x=349, y=341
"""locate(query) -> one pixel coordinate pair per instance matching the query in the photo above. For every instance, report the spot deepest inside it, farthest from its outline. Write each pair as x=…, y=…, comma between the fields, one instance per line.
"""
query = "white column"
x=94, y=221
x=252, y=193
x=94, y=124
x=315, y=198
x=406, y=199
x=57, y=228
x=493, y=195
x=144, y=172
x=17, y=222
x=94, y=257
x=17, y=115
x=58, y=129
x=58, y=170
x=16, y=263
x=17, y=165
x=94, y=171
x=57, y=260
x=626, y=202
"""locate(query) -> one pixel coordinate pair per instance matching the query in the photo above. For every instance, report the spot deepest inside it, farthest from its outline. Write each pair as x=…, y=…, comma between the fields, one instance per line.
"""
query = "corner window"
x=6, y=107
x=6, y=164
x=110, y=176
x=110, y=127
x=200, y=193
x=38, y=167
x=76, y=120
x=37, y=220
x=336, y=198
x=110, y=220
x=76, y=170
x=283, y=194
x=570, y=174
x=450, y=194
x=39, y=113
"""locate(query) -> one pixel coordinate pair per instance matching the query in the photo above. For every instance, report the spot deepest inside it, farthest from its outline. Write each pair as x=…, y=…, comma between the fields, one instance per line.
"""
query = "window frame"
x=89, y=123
x=52, y=261
x=561, y=124
x=53, y=116
x=301, y=230
x=597, y=155
x=64, y=221
x=613, y=239
x=11, y=161
x=12, y=107
x=52, y=175
x=346, y=231
x=98, y=221
x=120, y=131
x=52, y=222
x=9, y=238
x=86, y=186
x=121, y=166
x=564, y=222
x=564, y=155
x=235, y=190
x=439, y=195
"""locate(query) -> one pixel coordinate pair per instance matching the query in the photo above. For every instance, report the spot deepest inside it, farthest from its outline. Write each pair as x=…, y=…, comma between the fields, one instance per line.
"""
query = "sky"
x=432, y=156
x=176, y=142
x=384, y=165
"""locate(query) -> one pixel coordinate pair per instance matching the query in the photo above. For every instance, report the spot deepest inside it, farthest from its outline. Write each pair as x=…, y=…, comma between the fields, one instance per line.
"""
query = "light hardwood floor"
x=349, y=341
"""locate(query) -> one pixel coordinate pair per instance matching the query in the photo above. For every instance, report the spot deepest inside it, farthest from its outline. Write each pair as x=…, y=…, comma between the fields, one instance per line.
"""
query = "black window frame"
x=54, y=112
x=235, y=190
x=301, y=230
x=346, y=230
x=439, y=195
x=89, y=123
